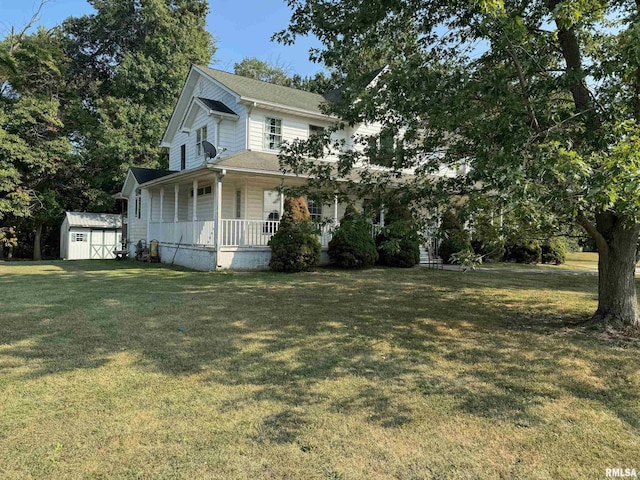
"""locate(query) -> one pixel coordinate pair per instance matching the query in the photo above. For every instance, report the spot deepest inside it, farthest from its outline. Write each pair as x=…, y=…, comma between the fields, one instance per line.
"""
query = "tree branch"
x=590, y=228
x=16, y=39
x=523, y=88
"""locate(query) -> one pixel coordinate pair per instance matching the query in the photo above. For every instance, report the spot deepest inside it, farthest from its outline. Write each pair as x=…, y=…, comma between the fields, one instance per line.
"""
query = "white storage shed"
x=90, y=235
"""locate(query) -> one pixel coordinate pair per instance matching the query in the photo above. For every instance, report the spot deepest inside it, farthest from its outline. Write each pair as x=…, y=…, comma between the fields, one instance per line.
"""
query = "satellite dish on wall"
x=209, y=150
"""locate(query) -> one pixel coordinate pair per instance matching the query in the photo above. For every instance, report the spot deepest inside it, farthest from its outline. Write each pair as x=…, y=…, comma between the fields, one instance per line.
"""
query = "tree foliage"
x=37, y=165
x=253, y=67
x=128, y=62
x=536, y=104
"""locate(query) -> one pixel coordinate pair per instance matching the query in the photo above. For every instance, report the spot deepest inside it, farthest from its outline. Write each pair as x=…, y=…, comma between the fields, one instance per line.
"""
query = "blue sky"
x=242, y=28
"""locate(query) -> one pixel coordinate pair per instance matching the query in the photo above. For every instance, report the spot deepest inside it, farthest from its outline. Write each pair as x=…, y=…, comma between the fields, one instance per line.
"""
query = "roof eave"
x=285, y=108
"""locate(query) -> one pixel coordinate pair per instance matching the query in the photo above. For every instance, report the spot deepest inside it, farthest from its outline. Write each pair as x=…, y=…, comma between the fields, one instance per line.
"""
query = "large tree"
x=128, y=64
x=36, y=161
x=534, y=103
x=278, y=74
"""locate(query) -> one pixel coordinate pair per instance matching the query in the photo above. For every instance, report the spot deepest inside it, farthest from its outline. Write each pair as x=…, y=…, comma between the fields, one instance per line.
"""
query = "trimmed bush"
x=398, y=244
x=295, y=246
x=554, y=251
x=526, y=251
x=352, y=245
x=456, y=238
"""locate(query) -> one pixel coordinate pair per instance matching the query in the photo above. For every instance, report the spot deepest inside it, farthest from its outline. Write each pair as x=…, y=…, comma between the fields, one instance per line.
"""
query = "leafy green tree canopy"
x=534, y=103
x=128, y=62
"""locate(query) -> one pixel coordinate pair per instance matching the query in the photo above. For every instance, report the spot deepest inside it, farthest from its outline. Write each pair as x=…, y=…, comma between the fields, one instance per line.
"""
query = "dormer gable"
x=211, y=108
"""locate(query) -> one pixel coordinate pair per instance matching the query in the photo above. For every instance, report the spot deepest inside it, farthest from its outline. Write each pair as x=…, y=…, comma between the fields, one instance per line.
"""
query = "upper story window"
x=315, y=130
x=183, y=157
x=272, y=133
x=201, y=136
x=315, y=209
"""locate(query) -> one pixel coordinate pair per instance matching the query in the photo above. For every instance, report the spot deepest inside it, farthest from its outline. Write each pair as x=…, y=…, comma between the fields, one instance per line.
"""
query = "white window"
x=315, y=209
x=201, y=136
x=272, y=133
x=78, y=237
x=271, y=209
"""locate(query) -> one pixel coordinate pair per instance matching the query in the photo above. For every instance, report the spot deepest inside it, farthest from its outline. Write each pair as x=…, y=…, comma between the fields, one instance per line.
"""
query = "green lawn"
x=404, y=374
x=575, y=261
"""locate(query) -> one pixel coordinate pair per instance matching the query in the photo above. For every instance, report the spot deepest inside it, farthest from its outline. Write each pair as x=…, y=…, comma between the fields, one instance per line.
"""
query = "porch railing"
x=186, y=233
x=247, y=233
x=234, y=232
x=257, y=233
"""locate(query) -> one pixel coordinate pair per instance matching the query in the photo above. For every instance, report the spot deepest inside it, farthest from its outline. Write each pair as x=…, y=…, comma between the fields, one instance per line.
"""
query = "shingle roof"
x=144, y=175
x=216, y=106
x=252, y=160
x=94, y=220
x=267, y=92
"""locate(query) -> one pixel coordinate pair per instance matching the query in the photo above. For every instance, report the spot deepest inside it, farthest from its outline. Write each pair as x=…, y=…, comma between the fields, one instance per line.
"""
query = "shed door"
x=103, y=243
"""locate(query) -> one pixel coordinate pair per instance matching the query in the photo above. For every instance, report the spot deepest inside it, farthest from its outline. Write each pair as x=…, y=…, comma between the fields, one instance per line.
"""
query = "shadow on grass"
x=490, y=342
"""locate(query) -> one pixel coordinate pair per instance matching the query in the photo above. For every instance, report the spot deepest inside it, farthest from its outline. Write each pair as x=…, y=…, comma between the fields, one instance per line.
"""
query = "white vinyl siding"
x=232, y=134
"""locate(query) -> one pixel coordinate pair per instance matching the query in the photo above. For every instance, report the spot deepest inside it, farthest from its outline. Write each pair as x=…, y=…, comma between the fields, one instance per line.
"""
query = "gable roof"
x=251, y=89
x=94, y=220
x=144, y=175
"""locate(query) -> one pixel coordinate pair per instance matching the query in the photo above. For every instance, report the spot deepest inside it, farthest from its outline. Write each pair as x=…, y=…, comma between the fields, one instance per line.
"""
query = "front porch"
x=209, y=219
x=218, y=210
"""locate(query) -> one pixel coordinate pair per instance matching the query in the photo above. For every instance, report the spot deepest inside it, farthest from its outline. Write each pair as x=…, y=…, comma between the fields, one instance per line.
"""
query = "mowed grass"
x=576, y=261
x=406, y=374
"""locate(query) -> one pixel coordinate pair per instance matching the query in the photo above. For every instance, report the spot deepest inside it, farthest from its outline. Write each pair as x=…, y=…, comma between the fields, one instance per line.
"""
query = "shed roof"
x=144, y=175
x=94, y=220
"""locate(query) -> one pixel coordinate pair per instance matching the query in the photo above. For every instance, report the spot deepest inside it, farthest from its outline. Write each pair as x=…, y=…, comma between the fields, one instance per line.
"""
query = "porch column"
x=148, y=196
x=217, y=206
x=245, y=214
x=194, y=213
x=382, y=215
x=176, y=191
x=335, y=209
x=161, y=204
x=281, y=205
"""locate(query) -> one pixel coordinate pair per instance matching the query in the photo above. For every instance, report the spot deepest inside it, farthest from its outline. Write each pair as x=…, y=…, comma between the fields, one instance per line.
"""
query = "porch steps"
x=428, y=260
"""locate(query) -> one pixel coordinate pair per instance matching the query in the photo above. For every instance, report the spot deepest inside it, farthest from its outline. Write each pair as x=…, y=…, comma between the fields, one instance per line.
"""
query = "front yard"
x=124, y=370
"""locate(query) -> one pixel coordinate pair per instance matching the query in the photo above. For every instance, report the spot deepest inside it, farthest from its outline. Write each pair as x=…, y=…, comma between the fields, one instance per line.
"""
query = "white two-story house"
x=220, y=213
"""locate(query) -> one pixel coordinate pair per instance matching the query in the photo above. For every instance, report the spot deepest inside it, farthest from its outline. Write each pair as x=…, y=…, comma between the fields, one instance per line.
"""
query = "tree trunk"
x=37, y=253
x=617, y=298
